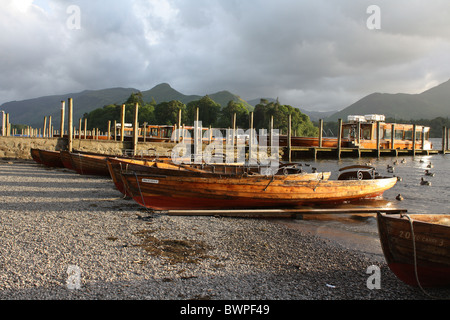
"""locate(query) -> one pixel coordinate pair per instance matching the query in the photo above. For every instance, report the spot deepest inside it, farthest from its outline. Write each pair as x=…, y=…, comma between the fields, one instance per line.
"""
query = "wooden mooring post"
x=3, y=123
x=44, y=130
x=339, y=142
x=320, y=132
x=61, y=125
x=135, y=128
x=444, y=140
x=378, y=139
x=122, y=123
x=289, y=141
x=70, y=134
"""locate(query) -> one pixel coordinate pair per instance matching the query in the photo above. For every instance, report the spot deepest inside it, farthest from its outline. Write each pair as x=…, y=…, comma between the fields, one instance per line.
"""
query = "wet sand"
x=52, y=220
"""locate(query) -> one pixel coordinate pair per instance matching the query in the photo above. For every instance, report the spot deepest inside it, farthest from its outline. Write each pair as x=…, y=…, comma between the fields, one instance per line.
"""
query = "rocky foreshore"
x=70, y=237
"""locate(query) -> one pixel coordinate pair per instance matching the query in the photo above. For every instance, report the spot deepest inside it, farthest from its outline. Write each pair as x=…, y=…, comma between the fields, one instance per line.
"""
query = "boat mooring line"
x=415, y=257
x=269, y=183
x=139, y=187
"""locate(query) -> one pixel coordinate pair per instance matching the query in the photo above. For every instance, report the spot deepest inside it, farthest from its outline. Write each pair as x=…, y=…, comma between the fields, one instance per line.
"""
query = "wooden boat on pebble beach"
x=90, y=164
x=50, y=158
x=417, y=247
x=166, y=168
x=35, y=155
x=164, y=192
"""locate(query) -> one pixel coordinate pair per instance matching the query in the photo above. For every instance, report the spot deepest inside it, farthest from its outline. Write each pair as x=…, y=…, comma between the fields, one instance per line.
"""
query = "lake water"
x=417, y=198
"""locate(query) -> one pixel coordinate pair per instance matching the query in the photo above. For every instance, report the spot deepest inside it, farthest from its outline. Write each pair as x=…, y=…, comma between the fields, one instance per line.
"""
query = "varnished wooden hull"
x=51, y=158
x=66, y=159
x=118, y=165
x=166, y=193
x=309, y=142
x=35, y=155
x=431, y=246
x=87, y=164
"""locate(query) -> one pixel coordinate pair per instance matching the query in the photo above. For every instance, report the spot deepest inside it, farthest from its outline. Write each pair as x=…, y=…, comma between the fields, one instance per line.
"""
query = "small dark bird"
x=428, y=173
x=403, y=161
x=430, y=165
x=424, y=182
x=399, y=197
x=390, y=169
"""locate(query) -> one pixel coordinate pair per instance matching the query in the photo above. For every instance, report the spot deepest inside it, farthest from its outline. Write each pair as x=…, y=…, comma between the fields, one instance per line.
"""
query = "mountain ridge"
x=32, y=111
x=432, y=103
x=429, y=104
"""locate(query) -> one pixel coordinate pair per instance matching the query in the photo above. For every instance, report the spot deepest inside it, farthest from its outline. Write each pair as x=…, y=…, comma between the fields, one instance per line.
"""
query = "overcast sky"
x=316, y=54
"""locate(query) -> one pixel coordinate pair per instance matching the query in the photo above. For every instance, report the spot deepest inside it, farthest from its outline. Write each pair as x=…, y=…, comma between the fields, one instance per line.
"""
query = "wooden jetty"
x=358, y=137
x=365, y=137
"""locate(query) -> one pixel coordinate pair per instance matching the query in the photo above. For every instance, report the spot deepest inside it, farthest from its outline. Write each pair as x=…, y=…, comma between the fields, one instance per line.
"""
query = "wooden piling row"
x=48, y=132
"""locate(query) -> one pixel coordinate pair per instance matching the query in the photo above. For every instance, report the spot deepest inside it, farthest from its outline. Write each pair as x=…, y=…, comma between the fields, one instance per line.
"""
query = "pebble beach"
x=70, y=237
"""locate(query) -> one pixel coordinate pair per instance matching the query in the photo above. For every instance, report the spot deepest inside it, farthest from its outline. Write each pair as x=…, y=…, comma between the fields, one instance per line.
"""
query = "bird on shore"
x=428, y=173
x=430, y=165
x=390, y=169
x=399, y=197
x=403, y=160
x=424, y=182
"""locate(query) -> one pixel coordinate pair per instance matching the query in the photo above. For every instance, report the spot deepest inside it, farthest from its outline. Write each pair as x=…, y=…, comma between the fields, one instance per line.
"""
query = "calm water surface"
x=417, y=198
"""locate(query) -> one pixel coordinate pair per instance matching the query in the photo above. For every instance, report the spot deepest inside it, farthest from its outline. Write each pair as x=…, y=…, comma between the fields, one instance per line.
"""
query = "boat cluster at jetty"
x=417, y=249
x=161, y=184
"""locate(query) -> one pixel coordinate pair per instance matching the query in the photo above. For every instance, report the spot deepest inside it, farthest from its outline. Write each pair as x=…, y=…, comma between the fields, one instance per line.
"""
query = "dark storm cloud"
x=313, y=54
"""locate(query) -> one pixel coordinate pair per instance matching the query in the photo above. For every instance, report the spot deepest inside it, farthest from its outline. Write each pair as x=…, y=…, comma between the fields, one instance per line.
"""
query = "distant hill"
x=32, y=111
x=164, y=92
x=429, y=104
x=313, y=115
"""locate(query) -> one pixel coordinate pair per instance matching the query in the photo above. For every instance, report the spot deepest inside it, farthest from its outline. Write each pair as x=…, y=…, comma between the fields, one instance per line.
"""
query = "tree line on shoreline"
x=210, y=113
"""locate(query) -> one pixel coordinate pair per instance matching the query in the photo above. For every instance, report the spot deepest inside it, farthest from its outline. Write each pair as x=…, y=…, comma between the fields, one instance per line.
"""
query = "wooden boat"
x=90, y=164
x=118, y=165
x=50, y=158
x=87, y=163
x=417, y=247
x=309, y=142
x=66, y=159
x=35, y=155
x=161, y=192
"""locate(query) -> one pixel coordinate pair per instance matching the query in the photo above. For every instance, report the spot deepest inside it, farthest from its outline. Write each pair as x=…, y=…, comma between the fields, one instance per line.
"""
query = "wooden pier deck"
x=321, y=152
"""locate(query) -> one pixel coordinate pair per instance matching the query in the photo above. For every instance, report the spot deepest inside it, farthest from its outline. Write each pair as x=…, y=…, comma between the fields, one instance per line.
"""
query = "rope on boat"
x=269, y=183
x=415, y=257
x=81, y=163
x=139, y=187
x=125, y=186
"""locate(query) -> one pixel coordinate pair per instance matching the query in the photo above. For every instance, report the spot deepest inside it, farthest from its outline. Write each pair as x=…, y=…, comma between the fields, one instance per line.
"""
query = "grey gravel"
x=52, y=219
